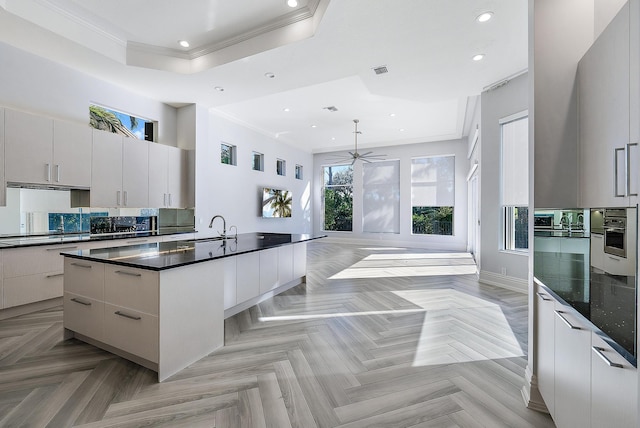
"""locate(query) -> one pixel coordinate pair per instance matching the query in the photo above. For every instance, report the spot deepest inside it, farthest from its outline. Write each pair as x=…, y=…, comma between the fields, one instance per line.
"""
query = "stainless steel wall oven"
x=615, y=230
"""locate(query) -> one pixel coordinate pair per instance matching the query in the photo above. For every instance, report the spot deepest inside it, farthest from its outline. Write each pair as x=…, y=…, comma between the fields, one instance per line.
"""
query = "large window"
x=381, y=197
x=514, y=132
x=338, y=197
x=114, y=121
x=433, y=195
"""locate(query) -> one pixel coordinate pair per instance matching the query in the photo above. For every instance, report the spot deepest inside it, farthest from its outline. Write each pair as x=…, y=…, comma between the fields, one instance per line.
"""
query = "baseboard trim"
x=504, y=281
x=262, y=297
x=531, y=394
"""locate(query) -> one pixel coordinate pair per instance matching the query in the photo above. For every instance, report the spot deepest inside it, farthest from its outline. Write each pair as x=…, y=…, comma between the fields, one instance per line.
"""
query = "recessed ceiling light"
x=183, y=43
x=478, y=57
x=314, y=126
x=219, y=88
x=484, y=17
x=392, y=115
x=292, y=3
x=401, y=129
x=269, y=75
x=286, y=109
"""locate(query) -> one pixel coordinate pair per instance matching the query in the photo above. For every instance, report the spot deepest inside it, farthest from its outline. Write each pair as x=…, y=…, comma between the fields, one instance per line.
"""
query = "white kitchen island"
x=163, y=305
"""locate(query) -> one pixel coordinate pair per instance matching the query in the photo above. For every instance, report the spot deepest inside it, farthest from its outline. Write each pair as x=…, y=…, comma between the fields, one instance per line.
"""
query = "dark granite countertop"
x=29, y=240
x=606, y=302
x=167, y=255
x=560, y=233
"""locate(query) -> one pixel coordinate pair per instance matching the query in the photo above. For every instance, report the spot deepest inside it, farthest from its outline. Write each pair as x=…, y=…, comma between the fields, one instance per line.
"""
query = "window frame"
x=260, y=156
x=453, y=207
x=233, y=154
x=323, y=196
x=281, y=167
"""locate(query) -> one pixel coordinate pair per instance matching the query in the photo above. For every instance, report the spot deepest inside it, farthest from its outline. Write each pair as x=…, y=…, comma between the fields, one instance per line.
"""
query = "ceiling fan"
x=355, y=155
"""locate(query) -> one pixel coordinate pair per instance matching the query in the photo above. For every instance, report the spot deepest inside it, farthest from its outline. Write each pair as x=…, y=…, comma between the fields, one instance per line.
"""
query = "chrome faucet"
x=224, y=225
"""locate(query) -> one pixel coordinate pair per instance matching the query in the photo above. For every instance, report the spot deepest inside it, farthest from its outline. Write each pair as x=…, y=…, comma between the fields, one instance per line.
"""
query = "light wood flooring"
x=377, y=337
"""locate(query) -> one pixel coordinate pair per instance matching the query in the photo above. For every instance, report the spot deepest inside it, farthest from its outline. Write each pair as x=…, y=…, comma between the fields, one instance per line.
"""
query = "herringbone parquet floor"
x=378, y=337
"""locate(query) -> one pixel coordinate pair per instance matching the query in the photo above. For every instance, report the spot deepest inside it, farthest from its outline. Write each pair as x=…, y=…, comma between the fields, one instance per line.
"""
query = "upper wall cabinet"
x=608, y=155
x=167, y=177
x=3, y=188
x=119, y=171
x=39, y=150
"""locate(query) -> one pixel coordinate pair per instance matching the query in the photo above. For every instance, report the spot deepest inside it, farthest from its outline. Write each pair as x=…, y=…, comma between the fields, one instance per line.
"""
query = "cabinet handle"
x=599, y=353
x=131, y=317
x=118, y=197
x=615, y=172
x=48, y=172
x=125, y=198
x=81, y=302
x=81, y=265
x=170, y=203
x=62, y=248
x=614, y=259
x=164, y=202
x=58, y=173
x=542, y=296
x=53, y=275
x=566, y=321
x=123, y=272
x=628, y=169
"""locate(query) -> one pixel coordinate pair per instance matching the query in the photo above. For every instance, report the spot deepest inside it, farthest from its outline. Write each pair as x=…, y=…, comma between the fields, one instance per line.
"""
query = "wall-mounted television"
x=276, y=203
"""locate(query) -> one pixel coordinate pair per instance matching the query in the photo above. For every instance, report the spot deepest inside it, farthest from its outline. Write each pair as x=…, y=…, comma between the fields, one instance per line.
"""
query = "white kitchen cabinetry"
x=608, y=155
x=285, y=264
x=40, y=150
x=247, y=276
x=167, y=176
x=106, y=170
x=614, y=387
x=229, y=267
x=268, y=270
x=300, y=260
x=546, y=347
x=572, y=368
x=33, y=274
x=119, y=171
x=597, y=251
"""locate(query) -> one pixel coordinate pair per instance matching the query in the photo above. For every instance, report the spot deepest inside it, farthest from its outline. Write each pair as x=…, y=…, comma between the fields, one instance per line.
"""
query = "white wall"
x=235, y=192
x=37, y=85
x=404, y=153
x=499, y=267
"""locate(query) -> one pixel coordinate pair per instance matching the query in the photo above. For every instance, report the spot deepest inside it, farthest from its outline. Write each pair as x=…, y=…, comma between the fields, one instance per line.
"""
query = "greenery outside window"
x=227, y=154
x=105, y=119
x=258, y=161
x=432, y=195
x=337, y=198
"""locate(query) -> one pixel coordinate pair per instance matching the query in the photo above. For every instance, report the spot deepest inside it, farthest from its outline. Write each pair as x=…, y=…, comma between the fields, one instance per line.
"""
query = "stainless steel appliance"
x=615, y=230
x=543, y=221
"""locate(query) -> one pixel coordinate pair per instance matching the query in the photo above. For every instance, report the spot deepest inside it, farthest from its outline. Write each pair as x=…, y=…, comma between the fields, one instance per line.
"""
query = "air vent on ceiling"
x=330, y=108
x=381, y=69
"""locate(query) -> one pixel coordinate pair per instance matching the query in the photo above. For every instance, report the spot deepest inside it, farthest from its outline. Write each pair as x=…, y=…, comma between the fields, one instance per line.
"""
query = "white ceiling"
x=322, y=54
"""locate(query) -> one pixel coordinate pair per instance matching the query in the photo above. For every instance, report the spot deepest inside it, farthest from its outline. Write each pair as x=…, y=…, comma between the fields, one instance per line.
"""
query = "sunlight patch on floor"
x=460, y=328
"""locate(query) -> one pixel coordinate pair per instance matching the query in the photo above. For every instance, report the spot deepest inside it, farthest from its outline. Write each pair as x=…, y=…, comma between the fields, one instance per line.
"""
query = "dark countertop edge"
x=84, y=237
x=192, y=262
x=619, y=349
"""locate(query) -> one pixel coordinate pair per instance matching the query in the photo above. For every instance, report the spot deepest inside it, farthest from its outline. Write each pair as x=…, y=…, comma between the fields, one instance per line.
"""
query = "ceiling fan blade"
x=365, y=154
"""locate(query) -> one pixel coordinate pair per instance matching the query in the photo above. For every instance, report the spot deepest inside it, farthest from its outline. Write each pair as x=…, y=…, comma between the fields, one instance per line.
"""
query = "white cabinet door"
x=177, y=178
x=84, y=315
x=230, y=281
x=299, y=260
x=71, y=154
x=106, y=170
x=545, y=325
x=84, y=278
x=603, y=110
x=28, y=148
x=285, y=264
x=572, y=370
x=135, y=173
x=158, y=175
x=132, y=288
x=615, y=265
x=21, y=290
x=268, y=270
x=132, y=331
x=614, y=387
x=247, y=276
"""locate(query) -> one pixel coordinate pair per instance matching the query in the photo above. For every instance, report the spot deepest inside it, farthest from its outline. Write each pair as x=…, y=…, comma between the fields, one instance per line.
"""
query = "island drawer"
x=132, y=331
x=32, y=260
x=84, y=278
x=84, y=315
x=136, y=289
x=32, y=288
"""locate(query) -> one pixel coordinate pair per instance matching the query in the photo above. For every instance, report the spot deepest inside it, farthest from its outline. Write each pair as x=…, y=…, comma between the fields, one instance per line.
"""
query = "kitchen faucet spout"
x=224, y=225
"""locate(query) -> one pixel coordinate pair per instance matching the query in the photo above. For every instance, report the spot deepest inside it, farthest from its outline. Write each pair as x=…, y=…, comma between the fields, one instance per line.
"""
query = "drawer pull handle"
x=131, y=317
x=124, y=272
x=53, y=275
x=62, y=248
x=81, y=302
x=566, y=321
x=81, y=265
x=543, y=296
x=138, y=241
x=599, y=353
